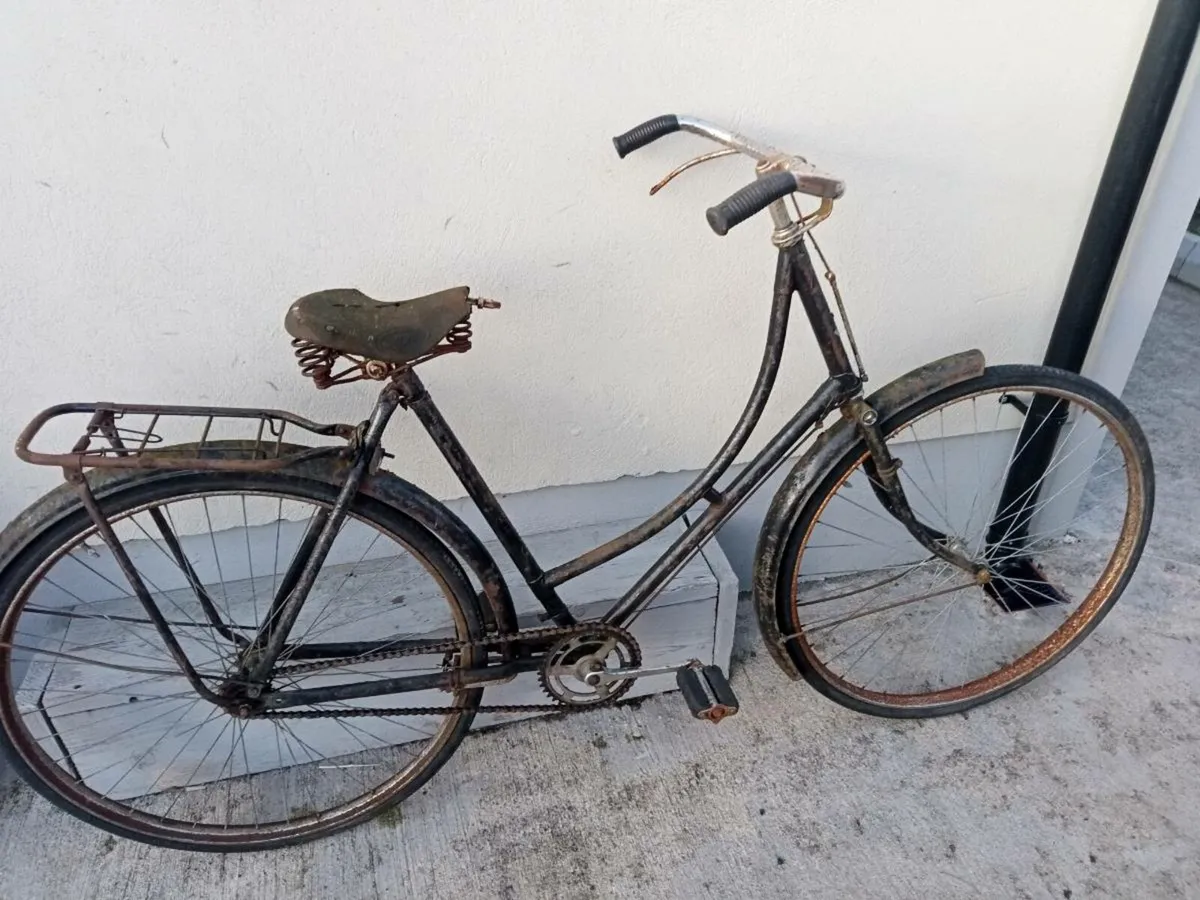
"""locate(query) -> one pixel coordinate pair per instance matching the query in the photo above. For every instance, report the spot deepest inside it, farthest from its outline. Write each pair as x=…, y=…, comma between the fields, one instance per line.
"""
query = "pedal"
x=707, y=692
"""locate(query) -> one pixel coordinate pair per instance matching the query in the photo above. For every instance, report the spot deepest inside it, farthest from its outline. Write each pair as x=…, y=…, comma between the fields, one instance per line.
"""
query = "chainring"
x=595, y=648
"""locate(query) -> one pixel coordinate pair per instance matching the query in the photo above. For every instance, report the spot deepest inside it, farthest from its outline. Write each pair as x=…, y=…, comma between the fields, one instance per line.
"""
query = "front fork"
x=883, y=472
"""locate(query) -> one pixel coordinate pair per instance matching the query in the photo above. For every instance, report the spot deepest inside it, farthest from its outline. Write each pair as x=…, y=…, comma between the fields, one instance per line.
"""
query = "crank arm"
x=610, y=675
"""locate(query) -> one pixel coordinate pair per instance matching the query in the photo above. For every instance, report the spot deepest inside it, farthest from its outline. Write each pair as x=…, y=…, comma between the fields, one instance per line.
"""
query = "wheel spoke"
x=912, y=634
x=103, y=706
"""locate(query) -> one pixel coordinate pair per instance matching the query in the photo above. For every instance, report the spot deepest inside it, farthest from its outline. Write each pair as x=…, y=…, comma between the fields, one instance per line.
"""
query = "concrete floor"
x=1083, y=784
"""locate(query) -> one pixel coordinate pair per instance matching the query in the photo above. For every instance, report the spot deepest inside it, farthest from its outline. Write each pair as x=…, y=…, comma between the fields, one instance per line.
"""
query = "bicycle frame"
x=794, y=275
x=842, y=389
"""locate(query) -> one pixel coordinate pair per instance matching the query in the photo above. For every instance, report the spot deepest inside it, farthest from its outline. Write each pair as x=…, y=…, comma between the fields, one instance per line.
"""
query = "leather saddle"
x=349, y=321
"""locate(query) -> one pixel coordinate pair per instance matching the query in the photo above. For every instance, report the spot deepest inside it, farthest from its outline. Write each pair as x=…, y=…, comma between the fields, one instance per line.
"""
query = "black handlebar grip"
x=751, y=199
x=646, y=133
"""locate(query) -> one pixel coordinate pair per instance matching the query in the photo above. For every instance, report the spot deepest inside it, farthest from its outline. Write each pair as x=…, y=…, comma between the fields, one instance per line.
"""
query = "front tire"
x=880, y=625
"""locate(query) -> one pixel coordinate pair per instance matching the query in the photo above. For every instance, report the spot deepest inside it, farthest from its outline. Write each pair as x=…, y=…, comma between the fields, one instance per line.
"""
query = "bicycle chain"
x=448, y=646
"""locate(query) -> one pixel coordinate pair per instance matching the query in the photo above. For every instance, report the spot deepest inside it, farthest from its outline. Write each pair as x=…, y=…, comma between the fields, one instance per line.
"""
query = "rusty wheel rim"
x=1084, y=613
x=141, y=813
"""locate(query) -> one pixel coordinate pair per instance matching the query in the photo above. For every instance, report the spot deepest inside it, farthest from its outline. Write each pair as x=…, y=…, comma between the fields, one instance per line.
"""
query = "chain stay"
x=386, y=711
x=448, y=646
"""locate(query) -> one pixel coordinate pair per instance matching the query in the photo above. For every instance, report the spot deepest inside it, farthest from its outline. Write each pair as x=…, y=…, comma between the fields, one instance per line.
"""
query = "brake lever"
x=678, y=170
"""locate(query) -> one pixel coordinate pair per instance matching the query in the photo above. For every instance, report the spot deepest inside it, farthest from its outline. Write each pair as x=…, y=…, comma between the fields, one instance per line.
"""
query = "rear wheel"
x=98, y=716
x=883, y=626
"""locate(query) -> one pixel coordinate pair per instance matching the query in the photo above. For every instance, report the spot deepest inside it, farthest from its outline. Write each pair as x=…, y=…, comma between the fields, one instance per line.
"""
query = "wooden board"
x=725, y=614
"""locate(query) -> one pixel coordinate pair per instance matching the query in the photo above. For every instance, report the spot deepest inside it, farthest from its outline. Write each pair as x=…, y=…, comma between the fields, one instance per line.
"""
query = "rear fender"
x=387, y=487
x=498, y=611
x=801, y=483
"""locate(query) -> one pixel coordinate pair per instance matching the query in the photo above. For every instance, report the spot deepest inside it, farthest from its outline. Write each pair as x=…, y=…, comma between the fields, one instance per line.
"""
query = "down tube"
x=829, y=396
x=785, y=286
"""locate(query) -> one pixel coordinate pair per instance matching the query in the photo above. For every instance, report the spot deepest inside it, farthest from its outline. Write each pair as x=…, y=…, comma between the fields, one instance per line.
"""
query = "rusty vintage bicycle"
x=236, y=629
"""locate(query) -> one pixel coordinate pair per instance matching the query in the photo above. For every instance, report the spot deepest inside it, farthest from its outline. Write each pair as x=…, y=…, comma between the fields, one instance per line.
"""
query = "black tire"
x=65, y=520
x=1126, y=436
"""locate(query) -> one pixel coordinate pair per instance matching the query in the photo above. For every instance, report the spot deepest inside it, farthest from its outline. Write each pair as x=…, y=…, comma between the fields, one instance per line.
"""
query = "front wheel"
x=880, y=624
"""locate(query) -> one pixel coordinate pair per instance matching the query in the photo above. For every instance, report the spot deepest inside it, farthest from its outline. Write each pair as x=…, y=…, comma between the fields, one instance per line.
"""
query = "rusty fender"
x=496, y=610
x=800, y=484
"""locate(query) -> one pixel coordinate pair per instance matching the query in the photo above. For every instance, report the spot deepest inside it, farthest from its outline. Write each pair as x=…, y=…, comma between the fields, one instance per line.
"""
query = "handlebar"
x=779, y=173
x=646, y=133
x=753, y=198
x=651, y=130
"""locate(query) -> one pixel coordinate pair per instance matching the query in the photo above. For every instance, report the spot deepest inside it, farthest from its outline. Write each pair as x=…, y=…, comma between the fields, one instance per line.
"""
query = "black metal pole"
x=1148, y=106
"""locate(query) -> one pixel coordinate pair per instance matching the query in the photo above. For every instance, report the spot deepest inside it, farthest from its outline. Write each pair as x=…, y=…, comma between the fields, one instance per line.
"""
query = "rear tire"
x=852, y=628
x=232, y=809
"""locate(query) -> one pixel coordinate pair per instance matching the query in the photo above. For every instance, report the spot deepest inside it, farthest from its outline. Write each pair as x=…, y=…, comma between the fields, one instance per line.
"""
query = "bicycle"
x=144, y=690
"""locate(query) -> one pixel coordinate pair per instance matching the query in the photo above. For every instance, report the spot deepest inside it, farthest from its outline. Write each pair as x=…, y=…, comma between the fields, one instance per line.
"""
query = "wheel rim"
x=917, y=632
x=139, y=748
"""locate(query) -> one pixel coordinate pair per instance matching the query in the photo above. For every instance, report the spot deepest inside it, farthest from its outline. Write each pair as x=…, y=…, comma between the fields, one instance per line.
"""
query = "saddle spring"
x=457, y=340
x=317, y=362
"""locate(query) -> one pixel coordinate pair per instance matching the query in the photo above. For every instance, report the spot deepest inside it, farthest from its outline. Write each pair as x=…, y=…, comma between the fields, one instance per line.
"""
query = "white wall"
x=1166, y=207
x=172, y=175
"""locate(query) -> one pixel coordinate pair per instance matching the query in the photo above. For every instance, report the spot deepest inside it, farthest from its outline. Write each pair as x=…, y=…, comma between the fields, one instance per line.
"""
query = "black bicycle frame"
x=794, y=275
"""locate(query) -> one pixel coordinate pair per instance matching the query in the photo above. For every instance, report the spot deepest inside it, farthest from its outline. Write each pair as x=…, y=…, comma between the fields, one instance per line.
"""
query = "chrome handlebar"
x=738, y=142
x=779, y=174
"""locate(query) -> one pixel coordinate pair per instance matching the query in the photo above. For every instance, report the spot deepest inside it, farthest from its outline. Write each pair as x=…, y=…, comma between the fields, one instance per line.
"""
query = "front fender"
x=797, y=488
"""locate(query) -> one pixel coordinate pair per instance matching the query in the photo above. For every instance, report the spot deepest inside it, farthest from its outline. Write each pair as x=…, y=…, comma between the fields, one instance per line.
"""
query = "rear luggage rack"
x=134, y=436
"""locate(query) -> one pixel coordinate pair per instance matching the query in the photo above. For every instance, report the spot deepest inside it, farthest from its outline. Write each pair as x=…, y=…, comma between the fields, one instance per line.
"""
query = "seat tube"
x=417, y=398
